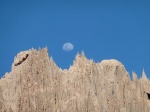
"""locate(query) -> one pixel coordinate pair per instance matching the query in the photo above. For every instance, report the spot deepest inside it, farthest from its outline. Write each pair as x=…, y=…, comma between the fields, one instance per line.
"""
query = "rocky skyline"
x=37, y=84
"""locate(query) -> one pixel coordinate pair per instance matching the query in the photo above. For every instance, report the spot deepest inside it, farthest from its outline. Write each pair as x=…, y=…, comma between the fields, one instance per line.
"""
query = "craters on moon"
x=68, y=47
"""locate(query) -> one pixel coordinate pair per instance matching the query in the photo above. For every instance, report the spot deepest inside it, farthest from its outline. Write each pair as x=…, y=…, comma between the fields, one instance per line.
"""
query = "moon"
x=68, y=47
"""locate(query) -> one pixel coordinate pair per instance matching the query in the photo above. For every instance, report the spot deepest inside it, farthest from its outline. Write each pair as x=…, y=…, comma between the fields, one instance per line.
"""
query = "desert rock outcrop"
x=37, y=84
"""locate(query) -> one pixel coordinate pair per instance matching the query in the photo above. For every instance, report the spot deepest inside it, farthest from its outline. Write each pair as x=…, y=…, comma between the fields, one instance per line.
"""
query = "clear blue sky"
x=103, y=30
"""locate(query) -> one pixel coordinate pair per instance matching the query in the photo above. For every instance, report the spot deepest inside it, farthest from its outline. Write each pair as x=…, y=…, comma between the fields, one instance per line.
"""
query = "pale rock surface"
x=36, y=84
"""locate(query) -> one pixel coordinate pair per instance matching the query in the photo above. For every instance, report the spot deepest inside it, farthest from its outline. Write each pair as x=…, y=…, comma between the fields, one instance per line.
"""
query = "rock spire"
x=37, y=84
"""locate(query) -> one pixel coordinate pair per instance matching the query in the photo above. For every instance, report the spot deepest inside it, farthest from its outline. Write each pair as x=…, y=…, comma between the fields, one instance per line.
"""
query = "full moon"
x=68, y=47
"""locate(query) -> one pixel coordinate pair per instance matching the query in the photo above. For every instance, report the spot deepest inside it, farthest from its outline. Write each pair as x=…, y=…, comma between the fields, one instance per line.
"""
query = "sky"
x=102, y=29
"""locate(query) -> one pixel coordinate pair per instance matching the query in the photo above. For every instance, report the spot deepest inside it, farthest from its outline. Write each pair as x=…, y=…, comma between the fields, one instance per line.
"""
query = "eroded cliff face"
x=36, y=84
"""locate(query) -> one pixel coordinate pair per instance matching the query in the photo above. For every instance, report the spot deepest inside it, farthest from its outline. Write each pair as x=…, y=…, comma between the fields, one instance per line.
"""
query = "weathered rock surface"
x=36, y=84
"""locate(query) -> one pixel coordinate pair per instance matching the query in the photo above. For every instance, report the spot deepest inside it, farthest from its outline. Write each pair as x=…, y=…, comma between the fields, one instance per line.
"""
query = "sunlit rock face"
x=36, y=84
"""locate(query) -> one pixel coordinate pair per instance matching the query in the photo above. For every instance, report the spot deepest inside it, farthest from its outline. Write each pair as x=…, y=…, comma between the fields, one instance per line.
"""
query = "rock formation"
x=36, y=84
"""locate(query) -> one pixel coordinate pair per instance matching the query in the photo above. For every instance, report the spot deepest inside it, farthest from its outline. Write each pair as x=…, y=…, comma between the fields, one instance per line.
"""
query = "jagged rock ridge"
x=36, y=84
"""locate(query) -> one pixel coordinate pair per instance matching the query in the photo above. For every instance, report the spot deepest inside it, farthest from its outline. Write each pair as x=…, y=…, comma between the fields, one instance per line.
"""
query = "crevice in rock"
x=23, y=59
x=148, y=95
